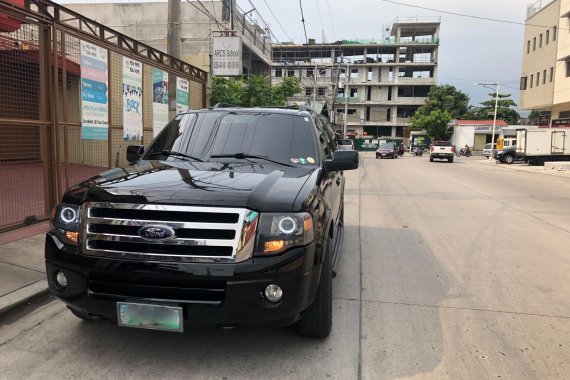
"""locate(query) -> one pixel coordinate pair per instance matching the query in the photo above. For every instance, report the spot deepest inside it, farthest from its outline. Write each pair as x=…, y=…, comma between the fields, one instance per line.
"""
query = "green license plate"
x=148, y=316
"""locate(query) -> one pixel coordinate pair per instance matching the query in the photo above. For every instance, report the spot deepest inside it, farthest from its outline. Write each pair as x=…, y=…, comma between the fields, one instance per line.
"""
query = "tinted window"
x=442, y=143
x=345, y=142
x=386, y=146
x=277, y=136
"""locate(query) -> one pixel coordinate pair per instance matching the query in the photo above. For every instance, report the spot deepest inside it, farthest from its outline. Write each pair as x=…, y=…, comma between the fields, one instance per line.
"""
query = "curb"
x=19, y=297
x=543, y=170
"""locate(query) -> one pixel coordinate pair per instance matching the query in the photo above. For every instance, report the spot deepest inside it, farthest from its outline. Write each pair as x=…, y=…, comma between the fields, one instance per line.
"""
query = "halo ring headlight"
x=287, y=225
x=68, y=215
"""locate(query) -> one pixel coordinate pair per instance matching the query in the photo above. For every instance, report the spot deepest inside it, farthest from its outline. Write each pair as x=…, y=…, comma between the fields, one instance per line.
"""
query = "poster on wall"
x=181, y=95
x=132, y=100
x=159, y=100
x=94, y=92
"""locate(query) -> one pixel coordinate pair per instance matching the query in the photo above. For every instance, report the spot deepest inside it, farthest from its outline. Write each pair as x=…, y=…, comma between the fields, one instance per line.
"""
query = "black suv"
x=231, y=217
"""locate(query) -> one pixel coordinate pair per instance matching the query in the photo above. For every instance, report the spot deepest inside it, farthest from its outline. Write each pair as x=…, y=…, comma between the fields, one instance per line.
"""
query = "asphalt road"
x=456, y=271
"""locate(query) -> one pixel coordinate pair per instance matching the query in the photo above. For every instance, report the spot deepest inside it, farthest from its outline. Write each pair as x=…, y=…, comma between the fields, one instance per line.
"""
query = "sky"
x=471, y=50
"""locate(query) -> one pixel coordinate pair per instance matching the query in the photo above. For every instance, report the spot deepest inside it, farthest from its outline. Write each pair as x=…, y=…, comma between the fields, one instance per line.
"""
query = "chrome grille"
x=202, y=234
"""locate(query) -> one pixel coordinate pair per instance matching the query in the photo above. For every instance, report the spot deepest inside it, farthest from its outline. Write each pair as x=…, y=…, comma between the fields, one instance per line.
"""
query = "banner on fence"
x=181, y=95
x=132, y=100
x=159, y=100
x=94, y=92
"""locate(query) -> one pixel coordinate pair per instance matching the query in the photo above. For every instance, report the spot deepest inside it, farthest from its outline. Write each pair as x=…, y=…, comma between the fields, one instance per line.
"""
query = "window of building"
x=547, y=36
x=369, y=93
x=290, y=73
x=379, y=74
x=567, y=69
x=540, y=40
x=534, y=44
x=353, y=73
x=351, y=112
x=564, y=114
x=538, y=78
x=551, y=74
x=309, y=91
x=310, y=73
x=322, y=73
x=367, y=113
x=531, y=80
x=399, y=131
x=544, y=77
x=528, y=46
x=278, y=73
x=321, y=91
x=369, y=74
x=523, y=83
x=389, y=114
x=554, y=33
x=354, y=93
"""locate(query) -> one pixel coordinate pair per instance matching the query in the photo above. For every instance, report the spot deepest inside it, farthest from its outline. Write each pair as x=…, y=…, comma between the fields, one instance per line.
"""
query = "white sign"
x=182, y=99
x=132, y=100
x=159, y=100
x=226, y=56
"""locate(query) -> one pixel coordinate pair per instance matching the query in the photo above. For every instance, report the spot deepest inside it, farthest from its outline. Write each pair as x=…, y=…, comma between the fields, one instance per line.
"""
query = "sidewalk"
x=22, y=268
x=549, y=168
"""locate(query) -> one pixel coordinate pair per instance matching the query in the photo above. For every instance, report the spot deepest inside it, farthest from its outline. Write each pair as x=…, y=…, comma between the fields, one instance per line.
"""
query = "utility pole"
x=315, y=87
x=232, y=12
x=346, y=94
x=173, y=46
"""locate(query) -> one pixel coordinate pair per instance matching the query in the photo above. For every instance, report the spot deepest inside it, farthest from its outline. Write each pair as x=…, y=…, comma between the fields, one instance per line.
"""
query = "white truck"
x=537, y=146
x=442, y=150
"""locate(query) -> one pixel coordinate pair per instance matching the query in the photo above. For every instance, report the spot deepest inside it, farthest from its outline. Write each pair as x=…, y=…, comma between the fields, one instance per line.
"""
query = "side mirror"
x=342, y=160
x=134, y=153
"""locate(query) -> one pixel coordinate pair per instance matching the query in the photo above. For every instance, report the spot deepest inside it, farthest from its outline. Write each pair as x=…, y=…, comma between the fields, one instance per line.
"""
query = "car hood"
x=255, y=186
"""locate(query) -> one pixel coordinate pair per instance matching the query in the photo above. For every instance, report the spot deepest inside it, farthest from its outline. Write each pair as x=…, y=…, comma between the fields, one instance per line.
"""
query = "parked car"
x=216, y=223
x=346, y=144
x=487, y=150
x=507, y=155
x=387, y=150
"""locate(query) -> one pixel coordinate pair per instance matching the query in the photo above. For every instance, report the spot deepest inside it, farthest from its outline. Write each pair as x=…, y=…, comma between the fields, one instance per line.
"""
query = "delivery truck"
x=540, y=145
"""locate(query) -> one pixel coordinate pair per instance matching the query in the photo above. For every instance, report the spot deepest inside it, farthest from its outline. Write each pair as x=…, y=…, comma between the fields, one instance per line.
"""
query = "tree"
x=504, y=110
x=445, y=98
x=254, y=92
x=534, y=115
x=435, y=123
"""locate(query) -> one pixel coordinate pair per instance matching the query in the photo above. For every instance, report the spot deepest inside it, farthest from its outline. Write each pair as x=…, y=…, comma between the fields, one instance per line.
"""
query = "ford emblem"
x=156, y=232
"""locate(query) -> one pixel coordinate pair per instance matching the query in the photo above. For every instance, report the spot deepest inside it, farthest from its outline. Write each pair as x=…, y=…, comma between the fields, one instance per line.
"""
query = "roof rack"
x=225, y=105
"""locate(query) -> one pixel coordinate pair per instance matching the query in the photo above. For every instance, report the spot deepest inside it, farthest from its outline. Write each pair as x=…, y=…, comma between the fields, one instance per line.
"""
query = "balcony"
x=403, y=100
x=342, y=100
x=418, y=81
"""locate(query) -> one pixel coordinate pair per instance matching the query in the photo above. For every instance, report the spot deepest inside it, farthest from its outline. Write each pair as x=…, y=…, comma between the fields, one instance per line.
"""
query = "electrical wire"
x=303, y=21
x=206, y=14
x=330, y=16
x=276, y=19
x=467, y=15
x=320, y=18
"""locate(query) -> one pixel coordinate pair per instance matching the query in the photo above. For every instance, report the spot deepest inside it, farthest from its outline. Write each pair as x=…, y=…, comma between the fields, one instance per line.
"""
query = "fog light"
x=61, y=280
x=273, y=293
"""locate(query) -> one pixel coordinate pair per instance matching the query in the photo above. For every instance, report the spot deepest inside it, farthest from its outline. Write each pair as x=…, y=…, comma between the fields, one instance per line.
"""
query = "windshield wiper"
x=242, y=156
x=175, y=154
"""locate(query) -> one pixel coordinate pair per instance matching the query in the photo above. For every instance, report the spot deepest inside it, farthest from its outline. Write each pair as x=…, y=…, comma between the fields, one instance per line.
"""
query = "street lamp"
x=486, y=85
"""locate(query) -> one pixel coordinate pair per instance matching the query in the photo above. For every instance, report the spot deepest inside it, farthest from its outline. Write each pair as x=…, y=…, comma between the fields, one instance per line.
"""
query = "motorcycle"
x=464, y=152
x=418, y=152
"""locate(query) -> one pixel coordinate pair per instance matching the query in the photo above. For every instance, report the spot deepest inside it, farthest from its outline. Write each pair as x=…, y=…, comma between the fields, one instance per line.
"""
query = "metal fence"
x=44, y=144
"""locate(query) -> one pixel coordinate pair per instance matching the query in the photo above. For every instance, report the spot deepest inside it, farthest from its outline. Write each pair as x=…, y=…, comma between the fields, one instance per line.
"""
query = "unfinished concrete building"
x=379, y=83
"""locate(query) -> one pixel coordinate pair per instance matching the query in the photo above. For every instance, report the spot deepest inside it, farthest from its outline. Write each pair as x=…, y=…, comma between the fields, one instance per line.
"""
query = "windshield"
x=281, y=137
x=345, y=142
x=386, y=146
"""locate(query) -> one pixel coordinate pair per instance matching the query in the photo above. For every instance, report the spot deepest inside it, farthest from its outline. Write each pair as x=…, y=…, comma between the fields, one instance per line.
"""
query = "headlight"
x=65, y=219
x=279, y=232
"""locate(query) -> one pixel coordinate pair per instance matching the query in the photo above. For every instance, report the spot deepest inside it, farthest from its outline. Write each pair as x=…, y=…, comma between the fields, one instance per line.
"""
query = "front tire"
x=450, y=159
x=316, y=321
x=509, y=159
x=431, y=159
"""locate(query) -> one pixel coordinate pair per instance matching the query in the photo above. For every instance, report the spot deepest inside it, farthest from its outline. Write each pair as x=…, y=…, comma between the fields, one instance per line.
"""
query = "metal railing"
x=536, y=7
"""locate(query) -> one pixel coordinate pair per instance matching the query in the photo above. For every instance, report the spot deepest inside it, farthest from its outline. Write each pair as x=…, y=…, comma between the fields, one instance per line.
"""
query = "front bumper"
x=226, y=295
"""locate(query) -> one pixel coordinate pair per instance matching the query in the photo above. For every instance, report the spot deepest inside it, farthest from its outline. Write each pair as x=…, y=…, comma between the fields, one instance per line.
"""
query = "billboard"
x=159, y=100
x=132, y=100
x=226, y=56
x=182, y=98
x=94, y=92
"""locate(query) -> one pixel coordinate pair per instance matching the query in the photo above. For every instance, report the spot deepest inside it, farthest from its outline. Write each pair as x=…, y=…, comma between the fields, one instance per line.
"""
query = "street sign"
x=226, y=56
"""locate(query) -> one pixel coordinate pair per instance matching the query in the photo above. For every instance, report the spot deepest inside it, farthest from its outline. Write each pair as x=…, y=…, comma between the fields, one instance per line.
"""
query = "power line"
x=320, y=17
x=276, y=19
x=467, y=15
x=206, y=14
x=330, y=16
x=303, y=21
